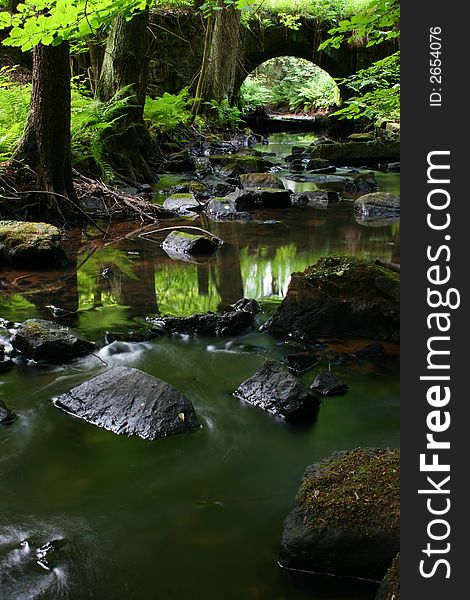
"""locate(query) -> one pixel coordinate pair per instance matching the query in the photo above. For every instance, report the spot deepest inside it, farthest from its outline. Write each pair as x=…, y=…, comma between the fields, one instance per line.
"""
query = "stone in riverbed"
x=229, y=324
x=31, y=245
x=47, y=341
x=346, y=517
x=358, y=153
x=240, y=163
x=182, y=203
x=381, y=205
x=261, y=180
x=130, y=402
x=179, y=245
x=390, y=586
x=318, y=199
x=325, y=384
x=340, y=295
x=221, y=209
x=276, y=391
x=363, y=183
x=6, y=416
x=247, y=199
x=317, y=163
x=181, y=162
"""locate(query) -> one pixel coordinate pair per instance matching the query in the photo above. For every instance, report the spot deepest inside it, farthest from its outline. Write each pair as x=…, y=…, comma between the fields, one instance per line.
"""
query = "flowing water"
x=193, y=517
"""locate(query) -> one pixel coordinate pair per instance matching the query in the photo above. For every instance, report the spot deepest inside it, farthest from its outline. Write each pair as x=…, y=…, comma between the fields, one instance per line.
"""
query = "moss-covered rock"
x=379, y=205
x=346, y=518
x=241, y=163
x=353, y=153
x=390, y=587
x=181, y=245
x=362, y=137
x=182, y=203
x=32, y=245
x=261, y=180
x=340, y=295
x=47, y=341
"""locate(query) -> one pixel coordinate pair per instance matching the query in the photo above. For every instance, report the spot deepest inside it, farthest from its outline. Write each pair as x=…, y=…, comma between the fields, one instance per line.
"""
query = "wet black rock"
x=46, y=341
x=340, y=295
x=181, y=162
x=278, y=392
x=221, y=209
x=346, y=517
x=381, y=205
x=249, y=199
x=318, y=163
x=325, y=384
x=302, y=362
x=390, y=586
x=247, y=305
x=318, y=199
x=364, y=183
x=230, y=324
x=180, y=245
x=6, y=416
x=130, y=402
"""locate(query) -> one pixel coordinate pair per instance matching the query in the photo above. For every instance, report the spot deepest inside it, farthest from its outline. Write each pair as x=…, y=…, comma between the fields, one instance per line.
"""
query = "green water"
x=193, y=517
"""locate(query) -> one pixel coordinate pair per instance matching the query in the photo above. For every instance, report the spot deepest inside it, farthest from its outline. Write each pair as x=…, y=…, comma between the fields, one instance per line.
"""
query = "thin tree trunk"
x=45, y=145
x=219, y=82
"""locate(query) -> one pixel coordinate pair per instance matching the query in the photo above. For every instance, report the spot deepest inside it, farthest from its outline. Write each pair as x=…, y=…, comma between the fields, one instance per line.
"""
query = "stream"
x=197, y=516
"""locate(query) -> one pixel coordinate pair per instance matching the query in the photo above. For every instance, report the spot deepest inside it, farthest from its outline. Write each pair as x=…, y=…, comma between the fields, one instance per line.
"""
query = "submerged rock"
x=318, y=199
x=6, y=416
x=390, y=586
x=32, y=245
x=381, y=205
x=340, y=295
x=229, y=324
x=276, y=391
x=261, y=180
x=179, y=245
x=346, y=518
x=130, y=402
x=47, y=341
x=325, y=384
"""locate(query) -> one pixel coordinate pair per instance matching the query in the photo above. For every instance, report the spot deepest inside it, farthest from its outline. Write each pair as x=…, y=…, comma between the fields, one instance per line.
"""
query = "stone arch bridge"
x=179, y=40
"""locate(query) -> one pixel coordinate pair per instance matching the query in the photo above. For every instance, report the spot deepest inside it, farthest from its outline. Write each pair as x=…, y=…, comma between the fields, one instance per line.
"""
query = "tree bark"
x=126, y=62
x=45, y=145
x=224, y=54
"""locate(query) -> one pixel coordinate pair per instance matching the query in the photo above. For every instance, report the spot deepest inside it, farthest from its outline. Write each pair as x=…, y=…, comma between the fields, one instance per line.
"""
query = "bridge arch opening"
x=289, y=85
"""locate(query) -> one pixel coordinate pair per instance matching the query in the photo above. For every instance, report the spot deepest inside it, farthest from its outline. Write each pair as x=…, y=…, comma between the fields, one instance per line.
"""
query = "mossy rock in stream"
x=340, y=296
x=181, y=245
x=242, y=164
x=261, y=180
x=42, y=340
x=390, y=586
x=354, y=153
x=30, y=245
x=346, y=517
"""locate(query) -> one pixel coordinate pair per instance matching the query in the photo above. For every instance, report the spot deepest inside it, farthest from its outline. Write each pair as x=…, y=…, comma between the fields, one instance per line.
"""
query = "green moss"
x=359, y=488
x=346, y=277
x=189, y=197
x=14, y=234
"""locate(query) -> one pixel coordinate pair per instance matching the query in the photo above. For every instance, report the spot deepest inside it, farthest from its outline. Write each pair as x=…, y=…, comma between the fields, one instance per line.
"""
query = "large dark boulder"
x=358, y=153
x=250, y=198
x=390, y=586
x=278, y=392
x=31, y=245
x=47, y=341
x=6, y=416
x=237, y=164
x=130, y=402
x=380, y=205
x=340, y=296
x=180, y=245
x=231, y=323
x=346, y=517
x=261, y=180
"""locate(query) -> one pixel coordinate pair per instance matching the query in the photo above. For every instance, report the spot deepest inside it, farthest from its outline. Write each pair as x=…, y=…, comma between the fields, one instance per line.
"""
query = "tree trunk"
x=125, y=65
x=224, y=53
x=126, y=62
x=45, y=145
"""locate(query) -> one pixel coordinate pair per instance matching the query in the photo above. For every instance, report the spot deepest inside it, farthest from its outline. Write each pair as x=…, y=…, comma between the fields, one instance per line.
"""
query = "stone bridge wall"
x=179, y=41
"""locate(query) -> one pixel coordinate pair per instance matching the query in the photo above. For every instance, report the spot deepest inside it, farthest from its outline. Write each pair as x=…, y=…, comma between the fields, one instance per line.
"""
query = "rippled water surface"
x=193, y=517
